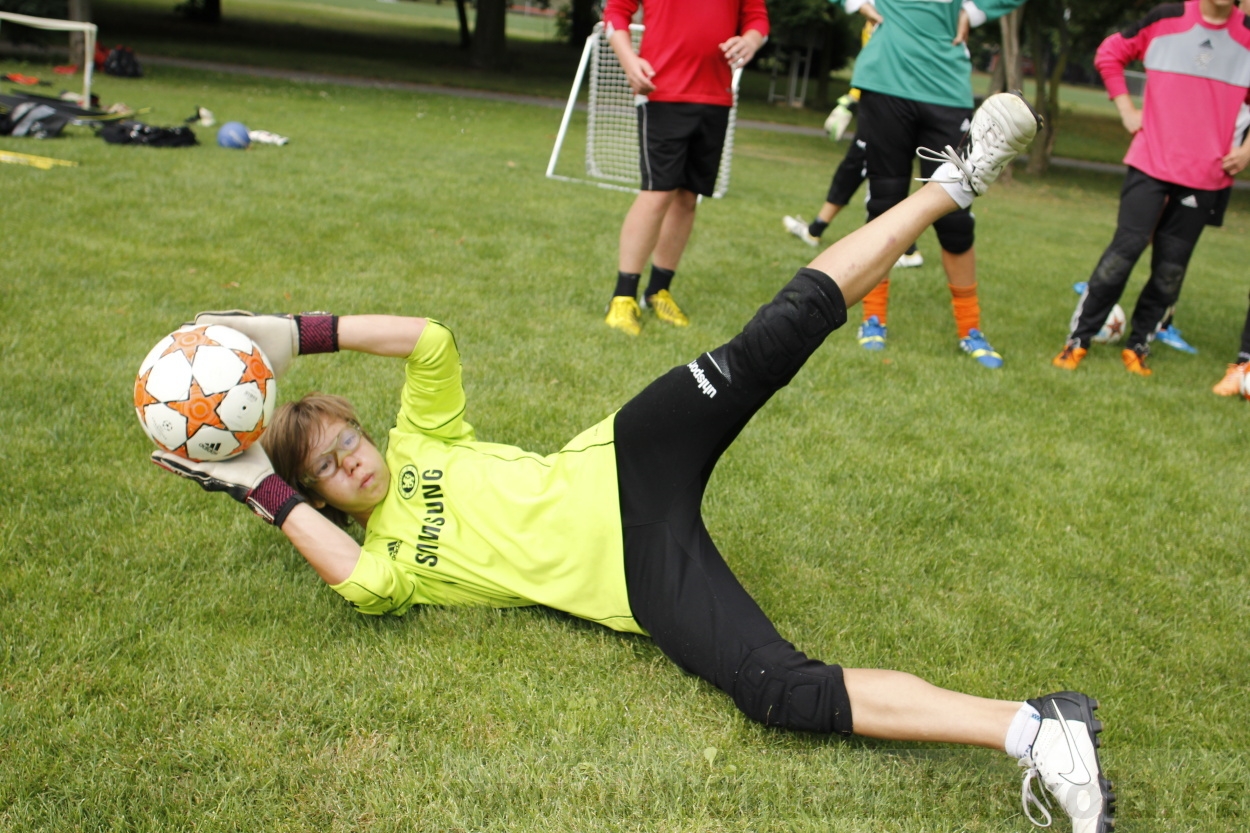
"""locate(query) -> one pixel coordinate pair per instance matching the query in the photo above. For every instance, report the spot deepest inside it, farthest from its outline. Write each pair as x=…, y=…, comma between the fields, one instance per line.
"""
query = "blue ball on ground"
x=233, y=135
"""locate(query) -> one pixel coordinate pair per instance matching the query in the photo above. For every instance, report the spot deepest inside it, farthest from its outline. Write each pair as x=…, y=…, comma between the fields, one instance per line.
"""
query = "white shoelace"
x=1028, y=797
x=948, y=154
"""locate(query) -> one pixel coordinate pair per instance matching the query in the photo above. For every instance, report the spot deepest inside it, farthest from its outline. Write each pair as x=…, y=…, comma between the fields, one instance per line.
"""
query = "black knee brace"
x=885, y=192
x=784, y=332
x=779, y=686
x=956, y=232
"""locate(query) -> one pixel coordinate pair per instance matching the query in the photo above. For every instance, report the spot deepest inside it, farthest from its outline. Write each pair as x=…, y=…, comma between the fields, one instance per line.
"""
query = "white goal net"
x=611, y=126
x=89, y=35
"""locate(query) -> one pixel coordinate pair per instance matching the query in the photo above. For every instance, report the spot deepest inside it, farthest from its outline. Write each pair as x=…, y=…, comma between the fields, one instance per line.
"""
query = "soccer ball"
x=1112, y=329
x=233, y=135
x=205, y=393
x=1245, y=385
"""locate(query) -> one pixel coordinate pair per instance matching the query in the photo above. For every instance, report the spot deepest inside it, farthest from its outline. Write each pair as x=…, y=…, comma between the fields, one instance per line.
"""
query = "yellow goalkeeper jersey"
x=467, y=522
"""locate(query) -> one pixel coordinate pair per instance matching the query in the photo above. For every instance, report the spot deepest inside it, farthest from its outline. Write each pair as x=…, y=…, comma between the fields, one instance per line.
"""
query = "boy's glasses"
x=324, y=466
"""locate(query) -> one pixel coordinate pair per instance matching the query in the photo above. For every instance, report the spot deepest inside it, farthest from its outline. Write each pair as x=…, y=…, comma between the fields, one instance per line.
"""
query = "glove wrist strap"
x=318, y=333
x=273, y=500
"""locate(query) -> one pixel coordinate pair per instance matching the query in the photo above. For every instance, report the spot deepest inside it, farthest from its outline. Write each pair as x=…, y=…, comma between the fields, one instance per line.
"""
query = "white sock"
x=1022, y=732
x=952, y=179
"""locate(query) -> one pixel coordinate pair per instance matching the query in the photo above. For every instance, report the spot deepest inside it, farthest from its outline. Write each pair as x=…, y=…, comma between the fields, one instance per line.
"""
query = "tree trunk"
x=490, y=38
x=583, y=19
x=212, y=11
x=466, y=40
x=79, y=11
x=1046, y=102
x=1011, y=58
x=998, y=77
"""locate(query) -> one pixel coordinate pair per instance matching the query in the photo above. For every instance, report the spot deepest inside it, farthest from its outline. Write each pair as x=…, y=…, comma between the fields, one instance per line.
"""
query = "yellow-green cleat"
x=624, y=315
x=666, y=308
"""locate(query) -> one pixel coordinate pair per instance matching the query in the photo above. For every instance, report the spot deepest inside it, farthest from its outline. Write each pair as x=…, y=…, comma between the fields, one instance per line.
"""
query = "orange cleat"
x=1135, y=362
x=1070, y=357
x=1230, y=385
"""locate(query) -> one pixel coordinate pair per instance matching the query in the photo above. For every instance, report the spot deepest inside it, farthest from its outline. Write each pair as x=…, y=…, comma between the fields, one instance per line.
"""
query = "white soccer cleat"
x=798, y=228
x=909, y=260
x=1065, y=757
x=1002, y=128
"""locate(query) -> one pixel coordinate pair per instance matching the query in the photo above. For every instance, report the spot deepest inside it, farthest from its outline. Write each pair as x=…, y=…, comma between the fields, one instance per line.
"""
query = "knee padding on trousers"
x=1174, y=251
x=1111, y=273
x=1129, y=244
x=1169, y=276
x=885, y=192
x=956, y=232
x=779, y=686
x=784, y=332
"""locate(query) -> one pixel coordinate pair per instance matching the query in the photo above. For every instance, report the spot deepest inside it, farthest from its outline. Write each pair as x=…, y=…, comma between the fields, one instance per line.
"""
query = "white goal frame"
x=53, y=24
x=612, y=121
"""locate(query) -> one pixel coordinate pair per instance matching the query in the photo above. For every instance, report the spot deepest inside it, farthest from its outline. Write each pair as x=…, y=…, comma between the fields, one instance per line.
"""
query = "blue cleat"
x=980, y=349
x=1172, y=338
x=872, y=334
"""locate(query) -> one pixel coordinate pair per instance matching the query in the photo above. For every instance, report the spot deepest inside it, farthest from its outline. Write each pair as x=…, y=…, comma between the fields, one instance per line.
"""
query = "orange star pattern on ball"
x=255, y=370
x=142, y=397
x=188, y=341
x=200, y=409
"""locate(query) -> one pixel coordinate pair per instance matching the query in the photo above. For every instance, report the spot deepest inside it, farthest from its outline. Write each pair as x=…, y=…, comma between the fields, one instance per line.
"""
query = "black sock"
x=817, y=227
x=661, y=278
x=911, y=250
x=627, y=284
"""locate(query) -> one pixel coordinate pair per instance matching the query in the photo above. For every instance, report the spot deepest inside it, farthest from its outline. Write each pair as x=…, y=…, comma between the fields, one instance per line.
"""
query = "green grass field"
x=167, y=662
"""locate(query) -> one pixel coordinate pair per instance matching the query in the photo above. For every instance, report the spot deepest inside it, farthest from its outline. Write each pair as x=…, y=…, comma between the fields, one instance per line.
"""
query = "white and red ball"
x=1245, y=385
x=205, y=393
x=1112, y=329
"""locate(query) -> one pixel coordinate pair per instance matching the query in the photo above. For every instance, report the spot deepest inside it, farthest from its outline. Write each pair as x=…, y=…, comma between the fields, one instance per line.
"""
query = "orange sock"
x=967, y=308
x=876, y=301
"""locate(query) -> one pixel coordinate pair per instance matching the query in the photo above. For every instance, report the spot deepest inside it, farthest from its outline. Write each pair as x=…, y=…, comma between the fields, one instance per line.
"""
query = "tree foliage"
x=821, y=25
x=1056, y=33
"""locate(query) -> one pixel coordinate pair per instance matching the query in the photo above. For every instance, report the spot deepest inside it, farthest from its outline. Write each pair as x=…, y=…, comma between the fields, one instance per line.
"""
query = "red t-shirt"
x=682, y=43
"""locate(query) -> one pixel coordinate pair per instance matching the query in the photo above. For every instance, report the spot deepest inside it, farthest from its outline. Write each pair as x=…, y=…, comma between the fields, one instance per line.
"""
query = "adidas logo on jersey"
x=1190, y=202
x=1206, y=51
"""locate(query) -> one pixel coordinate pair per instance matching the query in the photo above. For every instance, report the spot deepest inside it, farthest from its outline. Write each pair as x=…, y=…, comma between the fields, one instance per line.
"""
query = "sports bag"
x=123, y=63
x=138, y=133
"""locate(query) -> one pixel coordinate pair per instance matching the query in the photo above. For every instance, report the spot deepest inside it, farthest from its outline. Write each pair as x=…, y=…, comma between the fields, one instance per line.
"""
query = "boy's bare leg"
x=641, y=229
x=675, y=230
x=894, y=705
x=859, y=261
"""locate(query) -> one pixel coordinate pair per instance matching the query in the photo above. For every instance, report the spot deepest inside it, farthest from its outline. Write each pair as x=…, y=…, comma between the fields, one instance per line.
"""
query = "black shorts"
x=679, y=145
x=851, y=173
x=894, y=127
x=668, y=440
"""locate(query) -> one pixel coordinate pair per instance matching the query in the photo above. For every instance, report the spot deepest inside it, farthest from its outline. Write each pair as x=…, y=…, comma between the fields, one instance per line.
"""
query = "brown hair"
x=290, y=436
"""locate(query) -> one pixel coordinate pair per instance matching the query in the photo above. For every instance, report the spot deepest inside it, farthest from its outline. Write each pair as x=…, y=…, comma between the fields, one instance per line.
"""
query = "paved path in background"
x=532, y=100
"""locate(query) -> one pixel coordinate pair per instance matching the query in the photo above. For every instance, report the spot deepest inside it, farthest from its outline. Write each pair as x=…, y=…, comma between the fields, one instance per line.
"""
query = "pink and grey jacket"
x=1197, y=76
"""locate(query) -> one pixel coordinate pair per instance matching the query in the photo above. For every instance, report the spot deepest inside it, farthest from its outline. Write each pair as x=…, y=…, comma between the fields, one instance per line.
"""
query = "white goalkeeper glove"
x=281, y=337
x=840, y=118
x=248, y=478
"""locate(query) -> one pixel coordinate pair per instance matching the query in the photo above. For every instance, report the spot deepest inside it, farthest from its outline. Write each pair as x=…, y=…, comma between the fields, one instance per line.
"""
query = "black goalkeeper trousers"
x=668, y=440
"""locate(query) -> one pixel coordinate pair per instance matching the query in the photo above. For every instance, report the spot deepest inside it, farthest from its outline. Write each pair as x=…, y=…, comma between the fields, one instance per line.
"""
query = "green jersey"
x=911, y=55
x=467, y=522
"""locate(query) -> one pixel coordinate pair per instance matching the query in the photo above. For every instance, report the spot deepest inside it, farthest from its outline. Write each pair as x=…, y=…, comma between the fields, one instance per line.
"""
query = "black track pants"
x=668, y=440
x=1152, y=211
